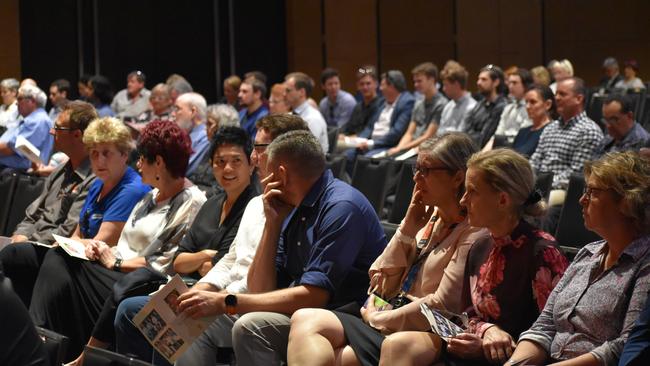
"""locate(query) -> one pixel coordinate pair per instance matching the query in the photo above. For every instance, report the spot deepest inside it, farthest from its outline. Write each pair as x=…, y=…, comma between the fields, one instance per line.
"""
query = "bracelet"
x=402, y=237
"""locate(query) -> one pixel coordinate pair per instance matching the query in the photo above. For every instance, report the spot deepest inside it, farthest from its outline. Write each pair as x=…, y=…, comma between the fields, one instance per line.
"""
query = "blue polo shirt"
x=330, y=241
x=200, y=147
x=36, y=129
x=248, y=121
x=116, y=206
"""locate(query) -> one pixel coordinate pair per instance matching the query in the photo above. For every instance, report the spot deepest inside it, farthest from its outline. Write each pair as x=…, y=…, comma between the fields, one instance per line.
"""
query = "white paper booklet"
x=30, y=151
x=71, y=246
x=169, y=332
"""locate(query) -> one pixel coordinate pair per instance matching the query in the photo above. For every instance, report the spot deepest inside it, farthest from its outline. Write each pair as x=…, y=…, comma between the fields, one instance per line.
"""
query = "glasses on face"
x=610, y=121
x=60, y=128
x=221, y=161
x=589, y=191
x=260, y=148
x=424, y=170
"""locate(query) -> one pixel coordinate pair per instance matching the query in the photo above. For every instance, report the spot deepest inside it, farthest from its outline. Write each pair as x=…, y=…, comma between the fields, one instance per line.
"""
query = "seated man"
x=57, y=208
x=337, y=104
x=623, y=132
x=426, y=113
x=319, y=239
x=482, y=121
x=160, y=101
x=229, y=273
x=454, y=84
x=59, y=91
x=514, y=116
x=368, y=109
x=190, y=112
x=251, y=98
x=34, y=127
x=129, y=103
x=298, y=89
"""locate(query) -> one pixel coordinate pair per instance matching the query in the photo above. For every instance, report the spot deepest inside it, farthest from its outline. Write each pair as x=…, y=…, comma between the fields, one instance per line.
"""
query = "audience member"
x=28, y=81
x=611, y=76
x=508, y=277
x=33, y=127
x=367, y=110
x=514, y=116
x=57, y=208
x=59, y=91
x=160, y=105
x=9, y=108
x=298, y=89
x=540, y=76
x=337, y=104
x=630, y=82
x=425, y=117
x=178, y=85
x=540, y=106
x=454, y=83
x=482, y=120
x=231, y=91
x=277, y=102
x=129, y=103
x=561, y=70
x=623, y=132
x=190, y=112
x=592, y=309
x=228, y=275
x=83, y=87
x=256, y=74
x=251, y=94
x=424, y=262
x=637, y=347
x=219, y=115
x=101, y=95
x=145, y=249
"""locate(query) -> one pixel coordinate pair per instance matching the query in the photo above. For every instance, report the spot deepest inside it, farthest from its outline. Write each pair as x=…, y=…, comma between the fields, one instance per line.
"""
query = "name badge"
x=97, y=216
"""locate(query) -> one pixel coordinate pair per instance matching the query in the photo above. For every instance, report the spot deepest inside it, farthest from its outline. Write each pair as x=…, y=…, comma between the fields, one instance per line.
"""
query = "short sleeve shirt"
x=427, y=111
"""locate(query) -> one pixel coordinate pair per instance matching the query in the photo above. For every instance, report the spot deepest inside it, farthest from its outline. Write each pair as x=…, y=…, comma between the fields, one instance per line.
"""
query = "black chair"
x=389, y=229
x=101, y=357
x=543, y=183
x=370, y=177
x=55, y=344
x=402, y=198
x=336, y=163
x=571, y=231
x=7, y=188
x=643, y=117
x=332, y=139
x=595, y=109
x=28, y=188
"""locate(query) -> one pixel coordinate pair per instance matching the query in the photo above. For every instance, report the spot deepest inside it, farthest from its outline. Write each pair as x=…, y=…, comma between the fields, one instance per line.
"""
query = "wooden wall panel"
x=304, y=47
x=350, y=38
x=9, y=40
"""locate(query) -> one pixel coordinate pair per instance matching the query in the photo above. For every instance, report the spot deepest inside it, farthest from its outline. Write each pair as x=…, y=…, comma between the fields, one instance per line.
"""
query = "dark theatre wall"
x=164, y=36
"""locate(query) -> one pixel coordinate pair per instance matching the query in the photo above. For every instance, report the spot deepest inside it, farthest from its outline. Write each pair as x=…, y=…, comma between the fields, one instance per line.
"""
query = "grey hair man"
x=9, y=107
x=189, y=112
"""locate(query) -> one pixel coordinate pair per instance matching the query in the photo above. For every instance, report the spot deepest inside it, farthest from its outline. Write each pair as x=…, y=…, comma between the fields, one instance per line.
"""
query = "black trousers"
x=21, y=263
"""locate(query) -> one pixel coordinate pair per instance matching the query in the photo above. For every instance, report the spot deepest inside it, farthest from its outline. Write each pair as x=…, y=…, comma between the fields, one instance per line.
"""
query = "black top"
x=362, y=115
x=207, y=233
x=482, y=121
x=526, y=140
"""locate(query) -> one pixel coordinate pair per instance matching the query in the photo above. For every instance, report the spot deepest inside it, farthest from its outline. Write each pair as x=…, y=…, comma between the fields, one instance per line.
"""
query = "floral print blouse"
x=510, y=279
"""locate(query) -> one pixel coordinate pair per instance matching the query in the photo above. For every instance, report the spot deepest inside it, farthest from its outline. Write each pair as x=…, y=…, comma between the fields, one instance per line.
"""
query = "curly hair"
x=628, y=175
x=167, y=140
x=109, y=130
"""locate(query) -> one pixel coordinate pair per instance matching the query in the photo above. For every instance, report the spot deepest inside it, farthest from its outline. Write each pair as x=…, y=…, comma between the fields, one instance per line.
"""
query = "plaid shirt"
x=564, y=147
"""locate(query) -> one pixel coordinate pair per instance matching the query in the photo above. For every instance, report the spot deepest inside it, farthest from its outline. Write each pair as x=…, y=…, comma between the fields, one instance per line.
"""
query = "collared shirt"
x=54, y=113
x=636, y=138
x=35, y=128
x=362, y=115
x=330, y=241
x=513, y=118
x=9, y=115
x=230, y=273
x=130, y=108
x=482, y=120
x=454, y=114
x=564, y=147
x=591, y=310
x=200, y=147
x=56, y=210
x=247, y=120
x=338, y=113
x=315, y=122
x=382, y=126
x=426, y=112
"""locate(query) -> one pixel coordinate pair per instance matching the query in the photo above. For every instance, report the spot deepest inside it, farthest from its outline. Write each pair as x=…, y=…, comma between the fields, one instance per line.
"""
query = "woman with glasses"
x=423, y=263
x=592, y=309
x=508, y=275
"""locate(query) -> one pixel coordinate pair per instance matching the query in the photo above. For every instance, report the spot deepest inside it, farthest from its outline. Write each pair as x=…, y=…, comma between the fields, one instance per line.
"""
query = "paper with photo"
x=71, y=246
x=169, y=332
x=440, y=325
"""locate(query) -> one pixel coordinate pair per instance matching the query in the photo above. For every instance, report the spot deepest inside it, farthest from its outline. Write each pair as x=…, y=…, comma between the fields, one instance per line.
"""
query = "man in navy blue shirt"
x=320, y=237
x=251, y=93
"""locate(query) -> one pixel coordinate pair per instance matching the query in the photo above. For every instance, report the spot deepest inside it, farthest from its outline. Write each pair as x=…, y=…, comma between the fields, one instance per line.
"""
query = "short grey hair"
x=453, y=149
x=181, y=86
x=610, y=62
x=196, y=100
x=224, y=113
x=301, y=150
x=31, y=91
x=11, y=84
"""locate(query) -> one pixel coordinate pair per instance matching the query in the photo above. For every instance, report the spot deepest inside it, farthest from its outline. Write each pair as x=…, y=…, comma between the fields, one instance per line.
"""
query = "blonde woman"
x=561, y=70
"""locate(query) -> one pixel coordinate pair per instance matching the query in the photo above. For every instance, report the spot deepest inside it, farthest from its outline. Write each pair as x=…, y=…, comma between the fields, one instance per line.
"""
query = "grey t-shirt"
x=427, y=111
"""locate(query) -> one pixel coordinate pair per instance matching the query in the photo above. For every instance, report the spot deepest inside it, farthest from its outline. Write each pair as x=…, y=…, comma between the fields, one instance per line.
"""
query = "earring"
x=157, y=177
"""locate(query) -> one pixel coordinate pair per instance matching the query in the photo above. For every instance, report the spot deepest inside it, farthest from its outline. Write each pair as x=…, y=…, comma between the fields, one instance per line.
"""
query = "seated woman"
x=594, y=306
x=509, y=275
x=540, y=105
x=423, y=263
x=108, y=204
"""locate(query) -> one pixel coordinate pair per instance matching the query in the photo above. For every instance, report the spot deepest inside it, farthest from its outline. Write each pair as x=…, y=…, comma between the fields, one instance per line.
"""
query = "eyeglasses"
x=59, y=128
x=589, y=191
x=260, y=148
x=424, y=171
x=610, y=121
